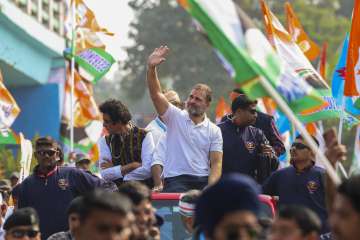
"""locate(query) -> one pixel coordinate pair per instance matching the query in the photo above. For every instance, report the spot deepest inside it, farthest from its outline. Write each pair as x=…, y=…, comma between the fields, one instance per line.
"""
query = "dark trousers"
x=184, y=183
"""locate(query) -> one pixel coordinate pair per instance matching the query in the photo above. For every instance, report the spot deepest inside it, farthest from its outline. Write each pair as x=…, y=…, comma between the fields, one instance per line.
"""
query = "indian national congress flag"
x=233, y=35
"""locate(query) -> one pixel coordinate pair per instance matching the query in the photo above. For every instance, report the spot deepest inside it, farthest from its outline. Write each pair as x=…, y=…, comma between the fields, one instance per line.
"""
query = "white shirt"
x=141, y=173
x=188, y=146
x=157, y=129
x=159, y=156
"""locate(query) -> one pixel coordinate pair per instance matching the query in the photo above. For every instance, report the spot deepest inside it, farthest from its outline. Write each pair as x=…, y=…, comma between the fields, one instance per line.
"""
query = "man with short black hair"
x=345, y=211
x=302, y=183
x=194, y=143
x=295, y=223
x=140, y=195
x=265, y=122
x=126, y=153
x=246, y=149
x=105, y=215
x=50, y=188
x=22, y=223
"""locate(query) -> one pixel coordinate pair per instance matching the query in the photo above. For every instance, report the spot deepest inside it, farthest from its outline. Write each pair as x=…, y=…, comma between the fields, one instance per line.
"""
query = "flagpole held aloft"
x=302, y=130
x=72, y=74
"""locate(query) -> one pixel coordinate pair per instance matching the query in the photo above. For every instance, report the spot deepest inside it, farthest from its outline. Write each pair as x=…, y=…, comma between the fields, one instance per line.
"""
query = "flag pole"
x=307, y=137
x=72, y=74
x=341, y=123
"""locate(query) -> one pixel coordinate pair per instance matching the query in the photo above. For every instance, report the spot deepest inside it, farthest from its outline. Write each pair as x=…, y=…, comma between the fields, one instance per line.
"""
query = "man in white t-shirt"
x=194, y=143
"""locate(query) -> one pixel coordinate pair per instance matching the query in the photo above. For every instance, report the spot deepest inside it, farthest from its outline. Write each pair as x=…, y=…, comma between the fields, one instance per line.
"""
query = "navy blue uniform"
x=51, y=195
x=242, y=149
x=300, y=188
x=266, y=123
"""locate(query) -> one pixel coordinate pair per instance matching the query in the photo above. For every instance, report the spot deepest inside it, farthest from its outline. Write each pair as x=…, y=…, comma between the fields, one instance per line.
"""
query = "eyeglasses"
x=300, y=146
x=22, y=233
x=49, y=152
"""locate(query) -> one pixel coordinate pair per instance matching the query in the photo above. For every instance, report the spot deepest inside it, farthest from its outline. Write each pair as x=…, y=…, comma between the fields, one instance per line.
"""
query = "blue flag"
x=338, y=81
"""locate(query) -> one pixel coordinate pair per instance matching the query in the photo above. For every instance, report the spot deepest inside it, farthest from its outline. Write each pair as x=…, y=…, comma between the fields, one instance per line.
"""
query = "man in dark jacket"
x=266, y=123
x=246, y=149
x=50, y=189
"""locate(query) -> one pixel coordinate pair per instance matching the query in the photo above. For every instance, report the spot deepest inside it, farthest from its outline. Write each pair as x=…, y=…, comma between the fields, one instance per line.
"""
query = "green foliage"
x=10, y=159
x=9, y=162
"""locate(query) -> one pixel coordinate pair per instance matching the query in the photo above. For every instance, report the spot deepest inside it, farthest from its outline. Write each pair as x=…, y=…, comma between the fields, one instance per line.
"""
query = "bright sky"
x=115, y=15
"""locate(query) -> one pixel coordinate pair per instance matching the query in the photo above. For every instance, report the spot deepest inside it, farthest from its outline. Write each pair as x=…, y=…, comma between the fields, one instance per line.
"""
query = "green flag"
x=7, y=136
x=93, y=63
x=250, y=54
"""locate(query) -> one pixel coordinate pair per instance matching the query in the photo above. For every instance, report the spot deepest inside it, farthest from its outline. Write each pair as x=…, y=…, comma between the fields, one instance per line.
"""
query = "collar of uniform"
x=160, y=124
x=42, y=175
x=299, y=171
x=204, y=123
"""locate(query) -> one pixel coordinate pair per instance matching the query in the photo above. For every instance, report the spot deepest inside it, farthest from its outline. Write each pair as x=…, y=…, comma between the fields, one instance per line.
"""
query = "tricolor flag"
x=298, y=35
x=84, y=105
x=352, y=77
x=249, y=53
x=9, y=109
x=87, y=119
x=289, y=51
x=222, y=109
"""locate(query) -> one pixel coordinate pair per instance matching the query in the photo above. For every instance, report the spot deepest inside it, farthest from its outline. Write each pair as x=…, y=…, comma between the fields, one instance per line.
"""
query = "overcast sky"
x=115, y=15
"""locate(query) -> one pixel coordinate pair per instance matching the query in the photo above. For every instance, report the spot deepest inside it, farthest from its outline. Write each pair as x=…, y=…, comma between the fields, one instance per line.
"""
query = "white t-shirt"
x=157, y=129
x=141, y=173
x=188, y=146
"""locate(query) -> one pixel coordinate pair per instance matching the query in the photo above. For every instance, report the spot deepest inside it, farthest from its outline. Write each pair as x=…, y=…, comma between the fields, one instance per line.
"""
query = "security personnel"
x=266, y=123
x=246, y=149
x=50, y=189
x=300, y=184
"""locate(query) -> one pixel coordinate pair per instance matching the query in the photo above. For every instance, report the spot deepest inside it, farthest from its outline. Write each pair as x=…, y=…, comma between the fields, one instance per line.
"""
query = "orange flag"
x=85, y=108
x=307, y=46
x=85, y=18
x=322, y=62
x=222, y=109
x=311, y=128
x=352, y=77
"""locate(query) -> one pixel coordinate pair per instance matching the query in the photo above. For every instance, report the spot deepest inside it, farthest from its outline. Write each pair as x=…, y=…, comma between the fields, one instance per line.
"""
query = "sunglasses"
x=22, y=233
x=299, y=146
x=49, y=153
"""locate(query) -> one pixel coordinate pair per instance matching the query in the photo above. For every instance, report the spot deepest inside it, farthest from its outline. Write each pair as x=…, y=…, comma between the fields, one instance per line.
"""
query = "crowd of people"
x=220, y=169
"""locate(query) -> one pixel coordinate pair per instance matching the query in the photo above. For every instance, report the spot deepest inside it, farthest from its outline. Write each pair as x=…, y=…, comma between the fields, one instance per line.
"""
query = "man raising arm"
x=194, y=143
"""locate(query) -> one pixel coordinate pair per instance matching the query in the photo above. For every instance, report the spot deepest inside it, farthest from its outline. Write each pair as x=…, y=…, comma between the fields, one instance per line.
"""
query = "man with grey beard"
x=194, y=143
